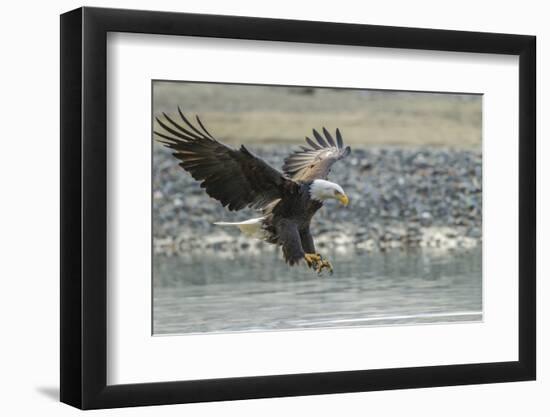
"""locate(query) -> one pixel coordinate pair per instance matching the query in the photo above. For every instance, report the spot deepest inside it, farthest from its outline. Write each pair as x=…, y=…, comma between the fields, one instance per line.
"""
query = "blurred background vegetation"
x=253, y=114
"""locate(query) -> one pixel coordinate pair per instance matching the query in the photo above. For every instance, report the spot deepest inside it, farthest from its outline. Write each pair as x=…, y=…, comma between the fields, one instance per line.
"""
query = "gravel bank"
x=399, y=198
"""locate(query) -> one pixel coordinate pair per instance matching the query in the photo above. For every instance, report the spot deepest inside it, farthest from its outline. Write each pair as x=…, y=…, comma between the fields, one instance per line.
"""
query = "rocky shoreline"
x=399, y=198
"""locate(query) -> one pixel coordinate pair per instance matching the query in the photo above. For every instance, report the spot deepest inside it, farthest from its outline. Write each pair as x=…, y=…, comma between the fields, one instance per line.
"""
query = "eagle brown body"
x=287, y=224
x=288, y=200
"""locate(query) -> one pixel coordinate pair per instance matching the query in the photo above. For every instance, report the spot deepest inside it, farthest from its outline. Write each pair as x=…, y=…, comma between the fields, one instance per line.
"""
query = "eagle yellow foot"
x=317, y=262
x=323, y=263
x=312, y=259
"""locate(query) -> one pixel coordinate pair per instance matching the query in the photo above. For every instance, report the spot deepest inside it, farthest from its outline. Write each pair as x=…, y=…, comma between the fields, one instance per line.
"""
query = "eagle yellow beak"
x=343, y=199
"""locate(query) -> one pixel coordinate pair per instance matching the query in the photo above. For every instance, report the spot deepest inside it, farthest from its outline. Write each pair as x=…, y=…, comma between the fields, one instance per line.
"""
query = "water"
x=259, y=292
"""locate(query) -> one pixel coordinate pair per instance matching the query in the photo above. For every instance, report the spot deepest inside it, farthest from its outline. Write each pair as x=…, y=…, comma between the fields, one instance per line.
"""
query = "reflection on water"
x=258, y=293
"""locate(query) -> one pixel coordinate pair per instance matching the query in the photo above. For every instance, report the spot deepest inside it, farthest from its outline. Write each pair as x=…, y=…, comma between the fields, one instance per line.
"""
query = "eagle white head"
x=321, y=190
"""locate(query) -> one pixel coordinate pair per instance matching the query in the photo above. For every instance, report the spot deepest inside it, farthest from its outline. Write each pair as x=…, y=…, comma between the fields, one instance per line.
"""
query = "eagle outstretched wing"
x=314, y=162
x=235, y=177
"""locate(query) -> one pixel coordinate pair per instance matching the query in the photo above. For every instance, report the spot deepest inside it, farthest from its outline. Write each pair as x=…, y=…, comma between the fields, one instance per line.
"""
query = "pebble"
x=399, y=198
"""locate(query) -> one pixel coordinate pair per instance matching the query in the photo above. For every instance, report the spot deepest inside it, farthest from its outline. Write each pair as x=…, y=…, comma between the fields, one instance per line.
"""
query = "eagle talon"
x=312, y=259
x=322, y=264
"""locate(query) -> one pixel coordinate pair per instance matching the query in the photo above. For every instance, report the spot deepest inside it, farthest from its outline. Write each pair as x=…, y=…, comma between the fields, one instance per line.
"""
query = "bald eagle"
x=237, y=178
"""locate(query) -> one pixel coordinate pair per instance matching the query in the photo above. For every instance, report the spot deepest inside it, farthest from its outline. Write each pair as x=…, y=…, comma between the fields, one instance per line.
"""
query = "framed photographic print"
x=258, y=207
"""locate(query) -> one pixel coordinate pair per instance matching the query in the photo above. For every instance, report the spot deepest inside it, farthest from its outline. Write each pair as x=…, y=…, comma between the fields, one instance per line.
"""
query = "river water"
x=259, y=292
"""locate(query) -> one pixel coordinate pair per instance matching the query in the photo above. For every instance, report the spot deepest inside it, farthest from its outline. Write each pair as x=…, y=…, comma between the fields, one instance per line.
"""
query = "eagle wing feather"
x=314, y=162
x=235, y=177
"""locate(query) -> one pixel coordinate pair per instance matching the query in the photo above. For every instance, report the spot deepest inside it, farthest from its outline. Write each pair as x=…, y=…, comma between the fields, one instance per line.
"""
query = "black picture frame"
x=84, y=207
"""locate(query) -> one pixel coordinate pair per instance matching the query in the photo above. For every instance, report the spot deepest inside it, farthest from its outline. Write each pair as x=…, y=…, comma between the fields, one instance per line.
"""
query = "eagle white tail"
x=252, y=228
